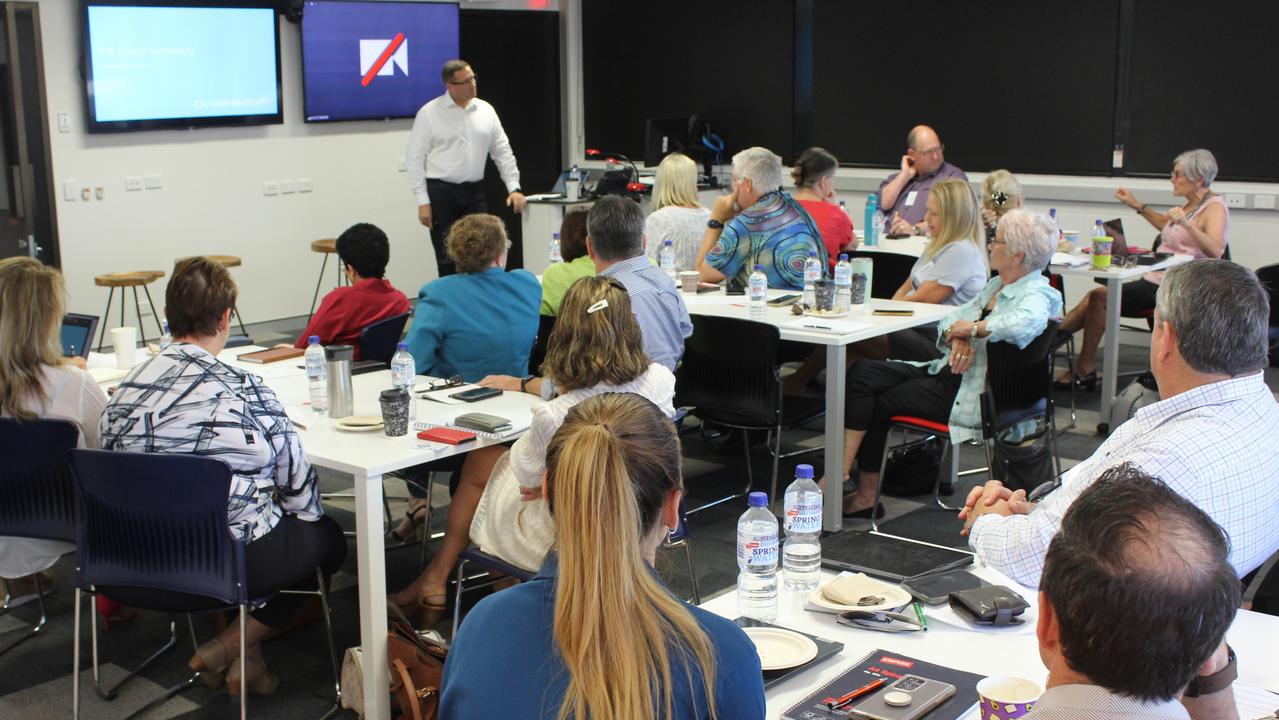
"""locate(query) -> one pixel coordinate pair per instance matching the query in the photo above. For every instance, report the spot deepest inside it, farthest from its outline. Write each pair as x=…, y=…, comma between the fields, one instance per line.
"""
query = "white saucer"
x=825, y=313
x=359, y=423
x=894, y=597
x=781, y=649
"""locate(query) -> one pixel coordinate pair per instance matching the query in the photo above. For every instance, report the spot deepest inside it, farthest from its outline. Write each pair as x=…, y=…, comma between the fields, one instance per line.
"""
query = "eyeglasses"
x=453, y=381
x=932, y=151
x=991, y=242
x=467, y=81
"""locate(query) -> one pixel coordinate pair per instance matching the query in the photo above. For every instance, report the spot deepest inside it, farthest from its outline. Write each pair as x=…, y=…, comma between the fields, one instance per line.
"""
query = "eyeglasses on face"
x=465, y=81
x=932, y=151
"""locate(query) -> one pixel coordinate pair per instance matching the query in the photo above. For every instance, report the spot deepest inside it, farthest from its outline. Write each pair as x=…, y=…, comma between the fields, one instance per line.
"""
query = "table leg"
x=833, y=495
x=1110, y=360
x=371, y=554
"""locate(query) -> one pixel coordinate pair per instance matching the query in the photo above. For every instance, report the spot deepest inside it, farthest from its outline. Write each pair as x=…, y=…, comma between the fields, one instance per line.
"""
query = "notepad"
x=271, y=355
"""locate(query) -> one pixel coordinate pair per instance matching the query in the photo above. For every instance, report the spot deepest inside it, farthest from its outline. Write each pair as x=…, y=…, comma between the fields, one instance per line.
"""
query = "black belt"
x=471, y=184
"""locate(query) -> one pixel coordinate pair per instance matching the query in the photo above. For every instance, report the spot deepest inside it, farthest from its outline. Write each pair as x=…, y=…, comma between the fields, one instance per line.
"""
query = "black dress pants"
x=879, y=389
x=450, y=201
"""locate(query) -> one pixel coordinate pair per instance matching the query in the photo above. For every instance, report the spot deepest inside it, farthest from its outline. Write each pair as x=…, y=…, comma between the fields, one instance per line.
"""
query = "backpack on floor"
x=1140, y=392
x=912, y=468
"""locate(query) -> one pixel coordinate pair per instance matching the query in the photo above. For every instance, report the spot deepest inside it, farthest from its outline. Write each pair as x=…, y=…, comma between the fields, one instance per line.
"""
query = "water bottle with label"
x=812, y=273
x=666, y=259
x=554, y=255
x=571, y=184
x=757, y=290
x=404, y=374
x=167, y=338
x=802, y=552
x=317, y=375
x=757, y=561
x=872, y=207
x=876, y=232
x=843, y=284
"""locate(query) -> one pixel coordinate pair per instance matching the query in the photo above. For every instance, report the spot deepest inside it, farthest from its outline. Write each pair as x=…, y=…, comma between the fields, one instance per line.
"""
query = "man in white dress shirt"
x=1135, y=602
x=1214, y=437
x=451, y=138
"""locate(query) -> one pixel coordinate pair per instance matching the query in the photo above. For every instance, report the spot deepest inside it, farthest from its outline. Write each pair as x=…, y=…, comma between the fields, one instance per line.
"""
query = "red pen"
x=836, y=703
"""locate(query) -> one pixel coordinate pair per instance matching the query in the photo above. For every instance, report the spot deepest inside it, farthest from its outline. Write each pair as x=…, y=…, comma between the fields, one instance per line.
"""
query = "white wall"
x=211, y=201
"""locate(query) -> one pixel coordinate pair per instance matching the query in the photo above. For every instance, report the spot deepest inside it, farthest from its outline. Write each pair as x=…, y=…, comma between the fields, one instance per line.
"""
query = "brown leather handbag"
x=417, y=665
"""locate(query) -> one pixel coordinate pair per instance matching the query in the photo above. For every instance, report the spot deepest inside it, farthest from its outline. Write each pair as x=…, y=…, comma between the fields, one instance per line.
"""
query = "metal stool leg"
x=318, y=281
x=137, y=307
x=236, y=312
x=154, y=315
x=106, y=314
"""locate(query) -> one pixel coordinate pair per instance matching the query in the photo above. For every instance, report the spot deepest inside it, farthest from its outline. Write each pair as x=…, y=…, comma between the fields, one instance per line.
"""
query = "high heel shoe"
x=109, y=610
x=211, y=661
x=257, y=679
x=1079, y=382
x=413, y=519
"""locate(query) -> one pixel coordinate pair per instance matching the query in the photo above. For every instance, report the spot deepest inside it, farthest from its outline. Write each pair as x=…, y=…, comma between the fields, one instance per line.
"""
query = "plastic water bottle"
x=317, y=375
x=843, y=207
x=757, y=289
x=843, y=284
x=404, y=374
x=167, y=338
x=802, y=552
x=868, y=228
x=812, y=273
x=757, y=561
x=666, y=259
x=1098, y=229
x=876, y=232
x=555, y=255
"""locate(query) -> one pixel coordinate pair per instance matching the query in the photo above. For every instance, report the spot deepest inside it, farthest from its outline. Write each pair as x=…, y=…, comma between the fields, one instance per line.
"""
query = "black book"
x=890, y=666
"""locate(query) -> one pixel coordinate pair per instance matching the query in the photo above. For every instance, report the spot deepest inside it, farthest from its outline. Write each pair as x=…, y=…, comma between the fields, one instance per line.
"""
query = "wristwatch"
x=524, y=381
x=916, y=229
x=714, y=224
x=1216, y=682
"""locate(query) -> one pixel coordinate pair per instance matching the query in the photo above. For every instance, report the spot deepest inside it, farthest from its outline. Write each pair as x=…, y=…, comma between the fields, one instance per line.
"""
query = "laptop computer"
x=583, y=175
x=77, y=334
x=1119, y=248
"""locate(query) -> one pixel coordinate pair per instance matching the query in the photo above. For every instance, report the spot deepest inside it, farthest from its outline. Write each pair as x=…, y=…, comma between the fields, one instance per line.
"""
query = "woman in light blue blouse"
x=1013, y=307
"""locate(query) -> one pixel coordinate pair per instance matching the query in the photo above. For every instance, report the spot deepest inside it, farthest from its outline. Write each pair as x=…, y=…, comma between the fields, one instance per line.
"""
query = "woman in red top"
x=814, y=175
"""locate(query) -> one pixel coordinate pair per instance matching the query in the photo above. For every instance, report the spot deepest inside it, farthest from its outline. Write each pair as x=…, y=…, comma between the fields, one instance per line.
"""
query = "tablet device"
x=935, y=588
x=888, y=556
x=77, y=334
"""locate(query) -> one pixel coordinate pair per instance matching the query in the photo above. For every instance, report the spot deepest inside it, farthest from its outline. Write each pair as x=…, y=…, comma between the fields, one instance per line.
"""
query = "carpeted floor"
x=35, y=678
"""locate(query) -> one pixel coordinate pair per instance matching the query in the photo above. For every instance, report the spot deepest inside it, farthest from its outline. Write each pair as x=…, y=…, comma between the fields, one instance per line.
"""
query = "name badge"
x=910, y=198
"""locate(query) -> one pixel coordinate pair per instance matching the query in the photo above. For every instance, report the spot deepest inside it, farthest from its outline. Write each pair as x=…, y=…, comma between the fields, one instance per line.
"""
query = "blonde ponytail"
x=618, y=629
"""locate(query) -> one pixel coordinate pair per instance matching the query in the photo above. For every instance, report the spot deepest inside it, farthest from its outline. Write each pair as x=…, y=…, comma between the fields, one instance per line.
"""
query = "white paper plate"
x=894, y=597
x=825, y=313
x=781, y=649
x=359, y=423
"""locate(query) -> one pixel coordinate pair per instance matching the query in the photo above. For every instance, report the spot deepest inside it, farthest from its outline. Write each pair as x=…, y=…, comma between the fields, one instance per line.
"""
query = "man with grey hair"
x=758, y=224
x=1214, y=438
x=902, y=195
x=451, y=138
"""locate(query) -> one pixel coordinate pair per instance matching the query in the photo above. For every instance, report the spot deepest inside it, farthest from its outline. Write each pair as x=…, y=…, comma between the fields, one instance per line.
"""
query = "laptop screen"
x=77, y=334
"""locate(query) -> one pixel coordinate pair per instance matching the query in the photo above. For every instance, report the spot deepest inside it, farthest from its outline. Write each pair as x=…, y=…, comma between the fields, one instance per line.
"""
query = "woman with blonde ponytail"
x=596, y=634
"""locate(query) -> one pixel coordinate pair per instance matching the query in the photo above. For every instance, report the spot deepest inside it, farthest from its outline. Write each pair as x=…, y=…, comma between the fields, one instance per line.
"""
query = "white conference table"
x=1114, y=278
x=836, y=342
x=1007, y=652
x=367, y=456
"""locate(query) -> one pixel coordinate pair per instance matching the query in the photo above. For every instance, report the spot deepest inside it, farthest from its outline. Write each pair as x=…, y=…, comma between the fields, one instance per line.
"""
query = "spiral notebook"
x=516, y=429
x=890, y=666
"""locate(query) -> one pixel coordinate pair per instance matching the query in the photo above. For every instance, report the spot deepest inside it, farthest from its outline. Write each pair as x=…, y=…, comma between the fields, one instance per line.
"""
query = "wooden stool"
x=226, y=261
x=122, y=280
x=327, y=246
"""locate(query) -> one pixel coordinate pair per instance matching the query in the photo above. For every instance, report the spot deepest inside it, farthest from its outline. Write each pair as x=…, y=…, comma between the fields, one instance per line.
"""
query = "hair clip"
x=999, y=197
x=599, y=305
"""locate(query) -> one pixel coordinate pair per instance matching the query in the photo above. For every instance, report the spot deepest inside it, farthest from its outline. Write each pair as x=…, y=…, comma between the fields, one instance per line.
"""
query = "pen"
x=919, y=612
x=836, y=703
x=818, y=327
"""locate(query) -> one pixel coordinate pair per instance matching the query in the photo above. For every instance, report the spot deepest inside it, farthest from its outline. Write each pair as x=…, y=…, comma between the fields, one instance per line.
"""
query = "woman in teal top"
x=1013, y=307
x=596, y=634
x=481, y=321
x=577, y=263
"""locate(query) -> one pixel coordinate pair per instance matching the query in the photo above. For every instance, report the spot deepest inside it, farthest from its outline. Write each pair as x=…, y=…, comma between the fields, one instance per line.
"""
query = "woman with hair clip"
x=596, y=634
x=1000, y=192
x=814, y=176
x=595, y=348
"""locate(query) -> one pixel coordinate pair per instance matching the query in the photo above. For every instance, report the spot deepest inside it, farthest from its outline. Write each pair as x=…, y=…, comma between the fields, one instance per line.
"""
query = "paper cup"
x=689, y=280
x=125, y=340
x=1005, y=698
x=1101, y=252
x=1072, y=237
x=395, y=412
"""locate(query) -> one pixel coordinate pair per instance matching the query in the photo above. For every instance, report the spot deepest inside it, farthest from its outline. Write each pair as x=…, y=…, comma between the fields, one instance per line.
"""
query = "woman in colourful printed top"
x=1200, y=227
x=184, y=400
x=1014, y=307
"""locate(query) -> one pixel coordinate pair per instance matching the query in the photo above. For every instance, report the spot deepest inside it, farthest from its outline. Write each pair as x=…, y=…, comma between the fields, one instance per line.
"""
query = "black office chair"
x=729, y=377
x=37, y=493
x=891, y=270
x=378, y=341
x=1018, y=388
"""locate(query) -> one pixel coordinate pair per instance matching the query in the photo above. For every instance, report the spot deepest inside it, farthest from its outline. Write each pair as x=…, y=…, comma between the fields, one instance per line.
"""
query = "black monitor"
x=663, y=137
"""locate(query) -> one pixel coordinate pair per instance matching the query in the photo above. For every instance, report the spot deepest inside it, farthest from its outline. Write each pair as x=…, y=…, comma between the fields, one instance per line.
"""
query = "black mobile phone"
x=912, y=697
x=783, y=300
x=733, y=287
x=474, y=394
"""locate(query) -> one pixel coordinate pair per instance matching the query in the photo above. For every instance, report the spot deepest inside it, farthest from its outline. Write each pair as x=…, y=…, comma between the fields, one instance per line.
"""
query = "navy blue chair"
x=378, y=340
x=159, y=522
x=37, y=494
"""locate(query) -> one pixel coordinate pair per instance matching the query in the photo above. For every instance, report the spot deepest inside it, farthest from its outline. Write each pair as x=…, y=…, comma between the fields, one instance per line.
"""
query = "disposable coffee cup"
x=395, y=412
x=689, y=280
x=571, y=188
x=1101, y=250
x=824, y=294
x=125, y=340
x=1006, y=698
x=1072, y=237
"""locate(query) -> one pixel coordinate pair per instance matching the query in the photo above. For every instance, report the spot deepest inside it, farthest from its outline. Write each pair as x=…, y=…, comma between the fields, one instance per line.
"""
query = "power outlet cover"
x=1236, y=200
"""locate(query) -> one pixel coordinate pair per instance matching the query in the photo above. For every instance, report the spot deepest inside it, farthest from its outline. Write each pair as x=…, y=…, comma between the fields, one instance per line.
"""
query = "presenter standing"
x=451, y=137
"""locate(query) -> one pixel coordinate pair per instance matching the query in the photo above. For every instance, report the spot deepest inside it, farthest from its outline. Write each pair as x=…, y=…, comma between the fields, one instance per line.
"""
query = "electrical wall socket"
x=132, y=182
x=1263, y=202
x=399, y=166
x=70, y=189
x=271, y=187
x=288, y=187
x=153, y=182
x=305, y=185
x=1236, y=200
x=64, y=122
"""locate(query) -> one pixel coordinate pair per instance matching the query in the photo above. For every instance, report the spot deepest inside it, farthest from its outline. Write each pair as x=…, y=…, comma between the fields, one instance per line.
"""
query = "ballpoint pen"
x=842, y=700
x=919, y=612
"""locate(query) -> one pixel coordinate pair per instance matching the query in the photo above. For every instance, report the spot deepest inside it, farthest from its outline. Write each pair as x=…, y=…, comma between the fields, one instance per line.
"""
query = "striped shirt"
x=185, y=400
x=1217, y=445
x=1094, y=702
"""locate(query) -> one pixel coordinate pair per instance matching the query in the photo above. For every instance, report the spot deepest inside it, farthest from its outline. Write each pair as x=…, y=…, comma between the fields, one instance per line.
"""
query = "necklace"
x=1190, y=209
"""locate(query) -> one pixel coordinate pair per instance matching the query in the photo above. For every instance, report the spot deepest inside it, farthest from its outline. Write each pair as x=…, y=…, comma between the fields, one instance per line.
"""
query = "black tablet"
x=888, y=556
x=77, y=334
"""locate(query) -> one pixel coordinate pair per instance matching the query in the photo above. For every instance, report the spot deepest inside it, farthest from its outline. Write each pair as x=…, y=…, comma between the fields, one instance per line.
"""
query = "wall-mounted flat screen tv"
x=374, y=60
x=152, y=64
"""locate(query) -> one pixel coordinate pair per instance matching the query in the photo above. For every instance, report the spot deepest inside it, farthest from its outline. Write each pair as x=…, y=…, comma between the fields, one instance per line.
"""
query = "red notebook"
x=446, y=435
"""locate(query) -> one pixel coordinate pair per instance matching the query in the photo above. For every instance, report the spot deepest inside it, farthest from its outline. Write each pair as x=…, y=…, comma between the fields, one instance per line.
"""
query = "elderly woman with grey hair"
x=1014, y=307
x=1200, y=228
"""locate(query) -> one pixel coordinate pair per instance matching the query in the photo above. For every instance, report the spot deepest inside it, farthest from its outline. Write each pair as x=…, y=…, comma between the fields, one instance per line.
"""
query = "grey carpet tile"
x=51, y=700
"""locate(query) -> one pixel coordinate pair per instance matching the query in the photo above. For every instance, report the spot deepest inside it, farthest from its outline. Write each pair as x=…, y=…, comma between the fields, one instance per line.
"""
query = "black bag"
x=1023, y=465
x=912, y=468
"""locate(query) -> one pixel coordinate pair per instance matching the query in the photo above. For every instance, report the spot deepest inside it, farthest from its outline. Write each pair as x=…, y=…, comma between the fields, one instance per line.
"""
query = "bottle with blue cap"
x=404, y=374
x=757, y=560
x=802, y=520
x=757, y=292
x=317, y=375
